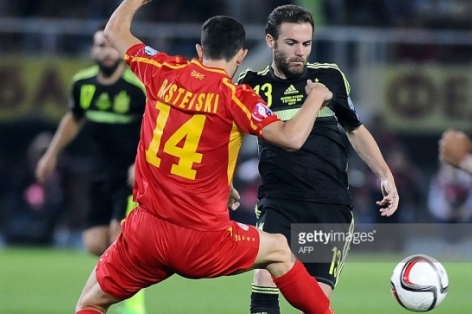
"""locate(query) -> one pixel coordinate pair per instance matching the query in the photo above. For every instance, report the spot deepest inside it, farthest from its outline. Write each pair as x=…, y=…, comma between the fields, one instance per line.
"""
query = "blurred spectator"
x=450, y=197
x=32, y=209
x=362, y=198
x=411, y=184
x=247, y=180
x=450, y=200
x=385, y=138
x=412, y=187
x=455, y=149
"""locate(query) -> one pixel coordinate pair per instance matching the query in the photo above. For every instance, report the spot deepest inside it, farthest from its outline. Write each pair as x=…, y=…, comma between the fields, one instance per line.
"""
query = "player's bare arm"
x=66, y=132
x=455, y=149
x=233, y=199
x=131, y=175
x=118, y=29
x=292, y=135
x=366, y=147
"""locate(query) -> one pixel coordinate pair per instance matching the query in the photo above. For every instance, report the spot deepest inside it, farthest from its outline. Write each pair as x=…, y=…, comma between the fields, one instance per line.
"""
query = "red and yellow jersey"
x=191, y=133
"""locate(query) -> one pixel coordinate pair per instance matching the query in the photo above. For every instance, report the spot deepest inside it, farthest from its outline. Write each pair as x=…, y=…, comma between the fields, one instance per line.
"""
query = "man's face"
x=292, y=48
x=104, y=55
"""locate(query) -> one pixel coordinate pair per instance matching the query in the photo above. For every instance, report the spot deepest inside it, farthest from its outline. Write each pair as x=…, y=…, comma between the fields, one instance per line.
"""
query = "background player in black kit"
x=310, y=185
x=107, y=101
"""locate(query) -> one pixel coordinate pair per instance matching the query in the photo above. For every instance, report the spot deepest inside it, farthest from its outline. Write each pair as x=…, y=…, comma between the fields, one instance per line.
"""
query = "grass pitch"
x=49, y=281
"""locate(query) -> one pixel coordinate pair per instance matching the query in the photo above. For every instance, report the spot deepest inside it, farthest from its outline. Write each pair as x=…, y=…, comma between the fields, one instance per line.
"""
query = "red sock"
x=303, y=291
x=88, y=312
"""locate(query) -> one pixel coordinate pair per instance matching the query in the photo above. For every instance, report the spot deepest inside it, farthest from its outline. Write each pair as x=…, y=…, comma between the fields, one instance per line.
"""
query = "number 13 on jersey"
x=189, y=133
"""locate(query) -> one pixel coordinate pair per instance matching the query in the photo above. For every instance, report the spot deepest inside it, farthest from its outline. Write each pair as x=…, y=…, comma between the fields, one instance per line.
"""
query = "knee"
x=95, y=240
x=281, y=248
x=326, y=289
x=114, y=231
x=95, y=248
x=262, y=277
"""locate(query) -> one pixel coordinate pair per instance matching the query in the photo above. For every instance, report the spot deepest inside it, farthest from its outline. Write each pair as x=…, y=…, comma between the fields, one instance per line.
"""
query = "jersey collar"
x=276, y=78
x=211, y=69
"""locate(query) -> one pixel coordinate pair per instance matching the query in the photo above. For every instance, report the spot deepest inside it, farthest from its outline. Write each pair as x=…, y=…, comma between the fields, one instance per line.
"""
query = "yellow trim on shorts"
x=347, y=246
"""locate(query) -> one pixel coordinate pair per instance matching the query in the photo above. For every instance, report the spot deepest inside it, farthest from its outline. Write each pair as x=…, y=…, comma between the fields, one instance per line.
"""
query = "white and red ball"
x=419, y=283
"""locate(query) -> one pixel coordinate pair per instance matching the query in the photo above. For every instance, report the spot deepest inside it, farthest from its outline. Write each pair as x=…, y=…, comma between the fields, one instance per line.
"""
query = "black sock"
x=264, y=300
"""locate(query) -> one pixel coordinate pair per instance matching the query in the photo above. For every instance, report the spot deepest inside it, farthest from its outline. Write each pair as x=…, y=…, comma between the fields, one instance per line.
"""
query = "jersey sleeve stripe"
x=174, y=66
x=265, y=71
x=148, y=61
x=242, y=75
x=238, y=102
x=335, y=67
x=158, y=64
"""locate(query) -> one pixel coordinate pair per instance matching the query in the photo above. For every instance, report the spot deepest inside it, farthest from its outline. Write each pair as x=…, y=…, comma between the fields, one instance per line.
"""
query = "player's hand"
x=45, y=167
x=131, y=175
x=454, y=147
x=390, y=199
x=233, y=199
x=319, y=88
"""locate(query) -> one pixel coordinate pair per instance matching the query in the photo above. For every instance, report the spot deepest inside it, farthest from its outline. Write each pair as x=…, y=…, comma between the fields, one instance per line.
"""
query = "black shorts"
x=280, y=215
x=108, y=201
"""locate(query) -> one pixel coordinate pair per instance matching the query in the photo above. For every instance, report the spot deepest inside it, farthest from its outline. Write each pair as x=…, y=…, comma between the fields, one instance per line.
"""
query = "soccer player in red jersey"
x=455, y=148
x=192, y=129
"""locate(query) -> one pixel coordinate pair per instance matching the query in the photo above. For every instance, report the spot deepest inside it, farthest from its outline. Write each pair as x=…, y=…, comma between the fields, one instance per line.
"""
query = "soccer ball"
x=419, y=283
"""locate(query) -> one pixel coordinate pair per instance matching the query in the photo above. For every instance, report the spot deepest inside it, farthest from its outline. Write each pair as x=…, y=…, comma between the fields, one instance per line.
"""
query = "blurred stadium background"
x=409, y=65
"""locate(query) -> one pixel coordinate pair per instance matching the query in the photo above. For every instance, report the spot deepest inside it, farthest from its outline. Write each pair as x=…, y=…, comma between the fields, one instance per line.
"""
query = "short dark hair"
x=222, y=37
x=289, y=13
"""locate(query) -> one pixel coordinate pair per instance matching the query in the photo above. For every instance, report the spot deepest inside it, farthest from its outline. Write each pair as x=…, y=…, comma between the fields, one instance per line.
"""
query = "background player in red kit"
x=192, y=129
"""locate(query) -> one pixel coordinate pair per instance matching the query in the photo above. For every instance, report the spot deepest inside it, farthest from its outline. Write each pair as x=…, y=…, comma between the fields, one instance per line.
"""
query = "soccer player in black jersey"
x=107, y=101
x=309, y=185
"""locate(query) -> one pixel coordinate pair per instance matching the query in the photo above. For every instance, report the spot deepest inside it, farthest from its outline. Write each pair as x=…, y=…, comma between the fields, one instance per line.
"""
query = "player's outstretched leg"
x=265, y=294
x=300, y=289
x=93, y=299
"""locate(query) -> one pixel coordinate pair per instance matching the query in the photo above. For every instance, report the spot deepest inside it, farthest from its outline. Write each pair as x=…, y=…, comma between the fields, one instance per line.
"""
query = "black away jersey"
x=113, y=123
x=318, y=171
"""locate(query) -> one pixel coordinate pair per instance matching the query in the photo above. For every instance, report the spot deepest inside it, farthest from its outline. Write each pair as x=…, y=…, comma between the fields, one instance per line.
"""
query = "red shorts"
x=149, y=250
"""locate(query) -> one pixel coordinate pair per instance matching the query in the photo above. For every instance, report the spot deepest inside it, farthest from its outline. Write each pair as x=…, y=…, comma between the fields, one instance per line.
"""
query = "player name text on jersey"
x=182, y=98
